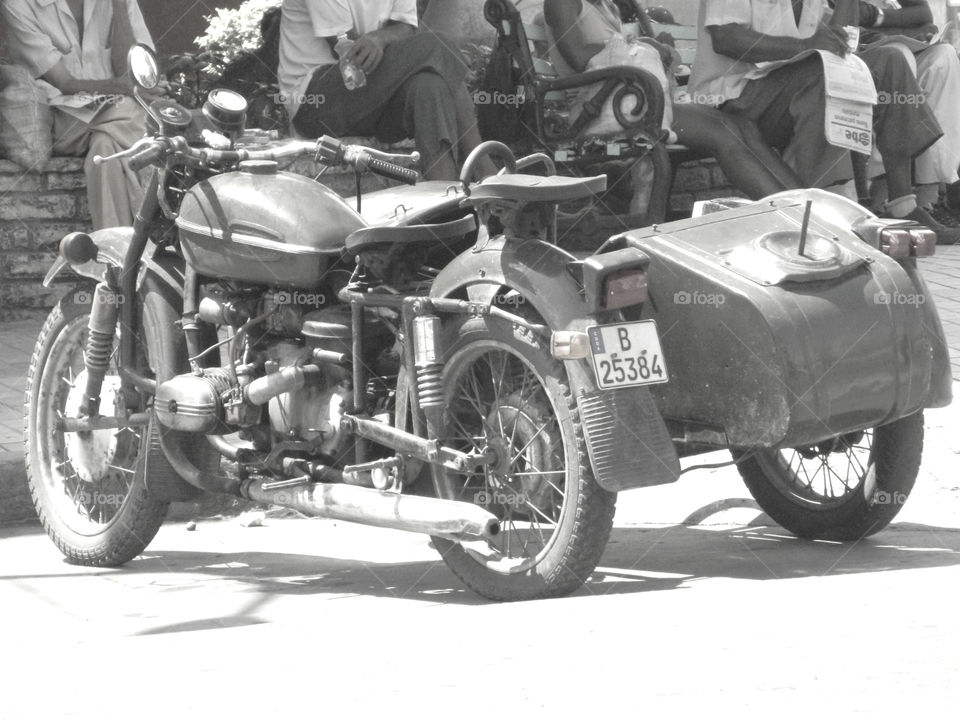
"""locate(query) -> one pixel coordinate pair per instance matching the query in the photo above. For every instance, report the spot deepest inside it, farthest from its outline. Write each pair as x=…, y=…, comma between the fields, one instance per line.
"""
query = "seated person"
x=583, y=29
x=80, y=55
x=937, y=70
x=788, y=104
x=415, y=81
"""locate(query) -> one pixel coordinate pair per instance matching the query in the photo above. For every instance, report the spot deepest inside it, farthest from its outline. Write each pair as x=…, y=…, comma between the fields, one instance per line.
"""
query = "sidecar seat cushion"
x=537, y=188
x=370, y=237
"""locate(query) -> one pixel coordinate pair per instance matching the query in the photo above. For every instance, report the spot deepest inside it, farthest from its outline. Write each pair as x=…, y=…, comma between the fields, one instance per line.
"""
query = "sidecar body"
x=768, y=347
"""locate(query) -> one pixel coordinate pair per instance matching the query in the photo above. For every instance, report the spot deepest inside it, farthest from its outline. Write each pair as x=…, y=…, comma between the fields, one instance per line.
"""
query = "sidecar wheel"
x=846, y=489
x=502, y=391
x=88, y=488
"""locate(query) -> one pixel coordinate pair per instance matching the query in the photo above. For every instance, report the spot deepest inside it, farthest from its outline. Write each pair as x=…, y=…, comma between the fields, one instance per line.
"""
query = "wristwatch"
x=879, y=21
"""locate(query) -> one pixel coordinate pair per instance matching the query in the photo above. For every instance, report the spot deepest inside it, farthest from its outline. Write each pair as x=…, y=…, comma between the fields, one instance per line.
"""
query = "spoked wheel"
x=505, y=395
x=846, y=488
x=88, y=488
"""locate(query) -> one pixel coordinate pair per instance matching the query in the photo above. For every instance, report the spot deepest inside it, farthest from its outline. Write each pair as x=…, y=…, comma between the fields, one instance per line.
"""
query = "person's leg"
x=747, y=161
x=788, y=107
x=424, y=109
x=938, y=74
x=468, y=131
x=372, y=109
x=902, y=129
x=114, y=191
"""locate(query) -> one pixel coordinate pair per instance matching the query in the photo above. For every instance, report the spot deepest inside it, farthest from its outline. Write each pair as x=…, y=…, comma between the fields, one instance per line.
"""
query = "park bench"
x=543, y=123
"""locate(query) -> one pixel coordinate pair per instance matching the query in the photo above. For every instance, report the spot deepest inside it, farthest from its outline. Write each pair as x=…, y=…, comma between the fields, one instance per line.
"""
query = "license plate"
x=627, y=354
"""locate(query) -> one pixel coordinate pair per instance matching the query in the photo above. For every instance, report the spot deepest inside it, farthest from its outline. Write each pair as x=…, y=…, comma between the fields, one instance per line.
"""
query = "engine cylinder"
x=191, y=403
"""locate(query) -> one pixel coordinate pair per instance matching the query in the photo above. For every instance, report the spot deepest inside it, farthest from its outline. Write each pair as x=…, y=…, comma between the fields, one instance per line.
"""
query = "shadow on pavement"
x=641, y=559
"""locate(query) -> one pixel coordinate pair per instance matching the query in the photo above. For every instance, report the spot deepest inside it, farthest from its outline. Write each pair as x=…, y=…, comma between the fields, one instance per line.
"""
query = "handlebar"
x=326, y=149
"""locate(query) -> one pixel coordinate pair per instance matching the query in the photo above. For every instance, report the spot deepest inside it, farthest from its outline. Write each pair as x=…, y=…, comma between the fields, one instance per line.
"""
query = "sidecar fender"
x=627, y=440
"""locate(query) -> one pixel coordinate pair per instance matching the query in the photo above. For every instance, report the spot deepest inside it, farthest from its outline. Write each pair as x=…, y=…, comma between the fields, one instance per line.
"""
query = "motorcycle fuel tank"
x=263, y=226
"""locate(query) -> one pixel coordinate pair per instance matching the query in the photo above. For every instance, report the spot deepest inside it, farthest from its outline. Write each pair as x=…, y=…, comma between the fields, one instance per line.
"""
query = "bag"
x=497, y=99
x=26, y=121
x=621, y=51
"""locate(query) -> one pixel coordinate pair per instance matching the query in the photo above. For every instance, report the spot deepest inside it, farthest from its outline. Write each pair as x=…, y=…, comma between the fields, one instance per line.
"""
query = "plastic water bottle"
x=353, y=77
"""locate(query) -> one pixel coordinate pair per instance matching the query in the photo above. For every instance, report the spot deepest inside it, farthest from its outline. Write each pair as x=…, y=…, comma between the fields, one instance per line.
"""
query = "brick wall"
x=37, y=210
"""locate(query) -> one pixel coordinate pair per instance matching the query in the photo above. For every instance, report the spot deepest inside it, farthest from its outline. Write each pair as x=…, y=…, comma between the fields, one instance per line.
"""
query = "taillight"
x=901, y=243
x=624, y=288
x=615, y=279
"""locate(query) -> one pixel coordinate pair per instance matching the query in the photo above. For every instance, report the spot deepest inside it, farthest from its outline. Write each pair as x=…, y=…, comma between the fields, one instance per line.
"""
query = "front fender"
x=112, y=244
x=627, y=441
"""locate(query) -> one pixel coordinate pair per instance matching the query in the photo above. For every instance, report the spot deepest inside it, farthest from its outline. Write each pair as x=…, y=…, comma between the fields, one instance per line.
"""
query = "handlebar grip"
x=146, y=157
x=394, y=172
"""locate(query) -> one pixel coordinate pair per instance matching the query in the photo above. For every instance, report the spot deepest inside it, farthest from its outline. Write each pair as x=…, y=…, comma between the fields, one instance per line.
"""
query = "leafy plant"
x=233, y=32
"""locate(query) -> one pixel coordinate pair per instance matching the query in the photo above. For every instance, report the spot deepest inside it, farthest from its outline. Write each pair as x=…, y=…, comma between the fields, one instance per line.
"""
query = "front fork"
x=113, y=300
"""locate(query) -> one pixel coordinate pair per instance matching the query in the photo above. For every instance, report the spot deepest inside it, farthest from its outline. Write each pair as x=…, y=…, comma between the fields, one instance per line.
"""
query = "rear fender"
x=627, y=441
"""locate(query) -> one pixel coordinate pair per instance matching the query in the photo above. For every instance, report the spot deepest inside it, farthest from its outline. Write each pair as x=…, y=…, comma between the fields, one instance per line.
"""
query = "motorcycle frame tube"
x=128, y=273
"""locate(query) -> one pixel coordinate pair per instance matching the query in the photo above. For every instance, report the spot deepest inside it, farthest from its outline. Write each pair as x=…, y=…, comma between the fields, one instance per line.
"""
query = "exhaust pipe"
x=447, y=518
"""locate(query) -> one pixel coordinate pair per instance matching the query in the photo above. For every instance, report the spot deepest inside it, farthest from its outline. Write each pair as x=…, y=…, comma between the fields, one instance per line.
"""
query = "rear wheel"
x=846, y=488
x=504, y=393
x=88, y=488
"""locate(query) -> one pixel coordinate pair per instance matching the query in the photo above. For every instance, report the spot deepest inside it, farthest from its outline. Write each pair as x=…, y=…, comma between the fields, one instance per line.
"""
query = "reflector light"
x=924, y=242
x=896, y=242
x=569, y=345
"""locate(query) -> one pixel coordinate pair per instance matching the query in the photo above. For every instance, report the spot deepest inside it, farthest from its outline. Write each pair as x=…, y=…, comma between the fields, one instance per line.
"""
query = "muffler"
x=447, y=518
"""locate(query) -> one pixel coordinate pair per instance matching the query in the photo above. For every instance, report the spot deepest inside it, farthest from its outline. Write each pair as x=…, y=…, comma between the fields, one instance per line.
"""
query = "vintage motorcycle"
x=407, y=369
x=403, y=368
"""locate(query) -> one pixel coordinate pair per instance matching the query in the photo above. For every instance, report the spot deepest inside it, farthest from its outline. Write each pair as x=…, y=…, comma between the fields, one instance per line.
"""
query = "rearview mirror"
x=142, y=66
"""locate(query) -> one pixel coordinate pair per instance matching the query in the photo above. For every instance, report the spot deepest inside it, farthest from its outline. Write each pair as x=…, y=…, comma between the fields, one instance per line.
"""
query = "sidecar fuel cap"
x=259, y=167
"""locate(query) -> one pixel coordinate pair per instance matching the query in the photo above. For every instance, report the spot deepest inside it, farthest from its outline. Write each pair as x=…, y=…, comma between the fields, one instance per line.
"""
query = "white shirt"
x=41, y=33
x=717, y=78
x=305, y=25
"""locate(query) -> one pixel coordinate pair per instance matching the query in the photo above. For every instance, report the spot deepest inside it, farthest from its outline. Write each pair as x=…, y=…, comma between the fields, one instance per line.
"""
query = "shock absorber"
x=429, y=386
x=101, y=329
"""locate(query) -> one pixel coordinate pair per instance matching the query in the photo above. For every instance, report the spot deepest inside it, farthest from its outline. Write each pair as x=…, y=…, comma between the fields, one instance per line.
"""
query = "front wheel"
x=88, y=488
x=504, y=393
x=845, y=488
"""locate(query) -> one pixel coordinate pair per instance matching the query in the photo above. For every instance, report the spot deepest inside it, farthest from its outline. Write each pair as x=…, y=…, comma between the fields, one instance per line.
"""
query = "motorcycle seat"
x=380, y=236
x=537, y=188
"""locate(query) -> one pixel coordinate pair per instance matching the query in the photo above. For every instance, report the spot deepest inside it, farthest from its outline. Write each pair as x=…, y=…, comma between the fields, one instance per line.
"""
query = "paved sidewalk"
x=942, y=273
